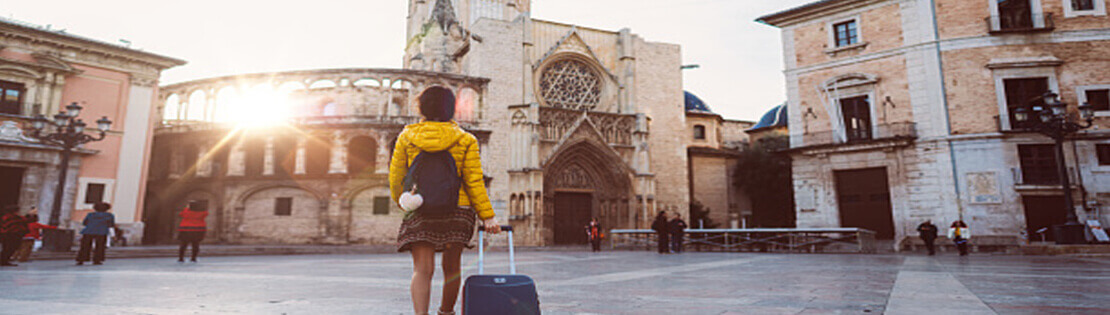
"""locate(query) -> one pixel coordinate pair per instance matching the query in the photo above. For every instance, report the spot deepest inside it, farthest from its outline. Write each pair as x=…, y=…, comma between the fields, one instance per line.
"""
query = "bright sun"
x=260, y=106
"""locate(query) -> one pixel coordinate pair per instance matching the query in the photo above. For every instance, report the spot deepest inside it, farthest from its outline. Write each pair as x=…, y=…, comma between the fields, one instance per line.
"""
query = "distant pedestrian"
x=12, y=228
x=34, y=234
x=191, y=231
x=678, y=233
x=594, y=233
x=662, y=229
x=959, y=233
x=95, y=231
x=928, y=233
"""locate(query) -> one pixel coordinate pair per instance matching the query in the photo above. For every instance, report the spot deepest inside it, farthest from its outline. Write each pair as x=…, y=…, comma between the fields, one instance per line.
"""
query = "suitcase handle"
x=508, y=228
x=482, y=252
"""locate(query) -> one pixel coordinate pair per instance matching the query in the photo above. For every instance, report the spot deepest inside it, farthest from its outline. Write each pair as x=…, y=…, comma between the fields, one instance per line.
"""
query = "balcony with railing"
x=1040, y=178
x=1019, y=22
x=881, y=133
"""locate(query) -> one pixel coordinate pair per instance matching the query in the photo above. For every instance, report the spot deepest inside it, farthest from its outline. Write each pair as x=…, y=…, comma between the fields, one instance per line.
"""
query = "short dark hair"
x=437, y=103
x=102, y=206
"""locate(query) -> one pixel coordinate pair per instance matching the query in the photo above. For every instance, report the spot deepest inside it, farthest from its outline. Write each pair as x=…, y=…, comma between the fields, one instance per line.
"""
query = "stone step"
x=1053, y=249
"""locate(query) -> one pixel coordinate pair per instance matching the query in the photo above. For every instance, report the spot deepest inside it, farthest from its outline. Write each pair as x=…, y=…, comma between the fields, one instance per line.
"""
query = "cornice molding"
x=55, y=41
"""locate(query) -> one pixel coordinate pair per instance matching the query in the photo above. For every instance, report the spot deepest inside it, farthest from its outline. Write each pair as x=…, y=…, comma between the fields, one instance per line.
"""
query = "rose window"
x=570, y=84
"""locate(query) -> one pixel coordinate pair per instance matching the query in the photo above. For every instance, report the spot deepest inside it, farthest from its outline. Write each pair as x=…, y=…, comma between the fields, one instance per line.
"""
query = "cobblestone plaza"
x=575, y=283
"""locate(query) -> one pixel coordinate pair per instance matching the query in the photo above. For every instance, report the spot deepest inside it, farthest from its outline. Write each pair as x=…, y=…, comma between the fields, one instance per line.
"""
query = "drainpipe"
x=947, y=114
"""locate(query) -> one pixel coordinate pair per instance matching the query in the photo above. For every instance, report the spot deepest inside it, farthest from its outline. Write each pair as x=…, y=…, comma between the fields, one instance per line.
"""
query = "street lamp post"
x=1052, y=120
x=68, y=133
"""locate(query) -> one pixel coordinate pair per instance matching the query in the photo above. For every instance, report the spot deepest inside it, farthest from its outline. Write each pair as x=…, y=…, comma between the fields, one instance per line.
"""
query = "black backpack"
x=435, y=177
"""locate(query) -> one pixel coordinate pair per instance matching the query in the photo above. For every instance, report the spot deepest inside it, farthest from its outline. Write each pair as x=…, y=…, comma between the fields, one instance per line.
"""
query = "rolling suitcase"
x=509, y=294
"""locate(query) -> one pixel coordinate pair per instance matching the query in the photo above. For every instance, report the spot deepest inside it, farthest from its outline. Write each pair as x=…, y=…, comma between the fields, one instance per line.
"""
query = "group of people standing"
x=958, y=232
x=671, y=232
x=19, y=233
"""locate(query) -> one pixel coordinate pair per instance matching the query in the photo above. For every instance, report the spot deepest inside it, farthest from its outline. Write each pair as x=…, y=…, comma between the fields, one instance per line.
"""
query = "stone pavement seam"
x=647, y=273
x=924, y=292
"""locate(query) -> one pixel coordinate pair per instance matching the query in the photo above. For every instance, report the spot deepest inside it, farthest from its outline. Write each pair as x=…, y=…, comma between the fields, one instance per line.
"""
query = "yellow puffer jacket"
x=431, y=136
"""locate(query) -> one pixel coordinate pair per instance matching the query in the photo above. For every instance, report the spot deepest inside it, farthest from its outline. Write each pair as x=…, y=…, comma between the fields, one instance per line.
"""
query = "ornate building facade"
x=902, y=111
x=574, y=123
x=41, y=71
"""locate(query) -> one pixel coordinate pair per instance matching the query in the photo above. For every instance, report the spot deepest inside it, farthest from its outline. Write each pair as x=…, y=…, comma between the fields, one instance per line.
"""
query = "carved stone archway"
x=584, y=179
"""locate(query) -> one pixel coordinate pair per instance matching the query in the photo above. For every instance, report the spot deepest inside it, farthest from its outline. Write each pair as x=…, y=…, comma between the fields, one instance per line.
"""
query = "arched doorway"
x=584, y=180
x=362, y=154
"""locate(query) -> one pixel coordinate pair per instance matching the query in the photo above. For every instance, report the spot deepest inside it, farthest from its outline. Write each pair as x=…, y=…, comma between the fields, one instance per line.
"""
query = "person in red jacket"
x=34, y=234
x=191, y=231
x=12, y=228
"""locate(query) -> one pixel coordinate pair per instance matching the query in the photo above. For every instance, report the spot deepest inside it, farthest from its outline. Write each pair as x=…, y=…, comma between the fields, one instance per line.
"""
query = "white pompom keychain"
x=411, y=200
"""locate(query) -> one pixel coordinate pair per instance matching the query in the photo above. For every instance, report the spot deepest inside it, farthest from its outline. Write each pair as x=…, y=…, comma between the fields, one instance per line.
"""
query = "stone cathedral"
x=574, y=123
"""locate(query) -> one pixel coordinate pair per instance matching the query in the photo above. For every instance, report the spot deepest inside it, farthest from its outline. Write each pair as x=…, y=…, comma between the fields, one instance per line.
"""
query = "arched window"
x=317, y=155
x=699, y=132
x=362, y=153
x=254, y=149
x=285, y=156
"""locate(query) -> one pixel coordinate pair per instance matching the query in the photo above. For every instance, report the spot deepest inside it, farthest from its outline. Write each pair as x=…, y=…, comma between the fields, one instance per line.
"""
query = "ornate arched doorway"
x=584, y=180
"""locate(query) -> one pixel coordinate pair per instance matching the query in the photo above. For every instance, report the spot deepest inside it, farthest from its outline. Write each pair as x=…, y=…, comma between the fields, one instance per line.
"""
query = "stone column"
x=299, y=163
x=381, y=161
x=236, y=160
x=268, y=163
x=204, y=162
x=338, y=163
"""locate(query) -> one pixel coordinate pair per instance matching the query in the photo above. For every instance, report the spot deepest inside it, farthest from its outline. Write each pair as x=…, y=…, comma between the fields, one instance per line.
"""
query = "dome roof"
x=776, y=117
x=695, y=104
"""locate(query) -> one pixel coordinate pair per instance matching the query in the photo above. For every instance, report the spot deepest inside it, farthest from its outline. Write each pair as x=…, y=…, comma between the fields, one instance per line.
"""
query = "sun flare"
x=260, y=106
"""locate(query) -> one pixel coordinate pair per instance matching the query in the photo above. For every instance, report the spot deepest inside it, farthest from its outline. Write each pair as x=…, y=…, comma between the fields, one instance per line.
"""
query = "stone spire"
x=444, y=14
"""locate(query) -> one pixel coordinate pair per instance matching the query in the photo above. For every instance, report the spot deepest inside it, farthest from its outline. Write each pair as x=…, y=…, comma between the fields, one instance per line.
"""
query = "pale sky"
x=741, y=60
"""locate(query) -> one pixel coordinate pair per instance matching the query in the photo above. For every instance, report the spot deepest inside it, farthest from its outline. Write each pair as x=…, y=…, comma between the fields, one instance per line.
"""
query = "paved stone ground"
x=575, y=283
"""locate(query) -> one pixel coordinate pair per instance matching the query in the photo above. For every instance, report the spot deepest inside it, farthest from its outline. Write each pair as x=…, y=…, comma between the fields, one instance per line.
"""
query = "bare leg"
x=452, y=261
x=423, y=268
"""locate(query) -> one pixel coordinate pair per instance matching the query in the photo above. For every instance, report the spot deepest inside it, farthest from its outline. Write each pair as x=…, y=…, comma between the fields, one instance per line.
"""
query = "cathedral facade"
x=574, y=123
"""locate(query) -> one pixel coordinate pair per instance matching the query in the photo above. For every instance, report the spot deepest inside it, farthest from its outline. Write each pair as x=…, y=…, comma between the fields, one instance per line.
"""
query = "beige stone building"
x=574, y=122
x=714, y=150
x=901, y=111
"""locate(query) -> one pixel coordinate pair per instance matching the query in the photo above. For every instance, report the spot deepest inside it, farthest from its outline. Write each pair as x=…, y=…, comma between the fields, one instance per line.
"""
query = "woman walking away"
x=678, y=233
x=191, y=231
x=662, y=229
x=434, y=221
x=12, y=228
x=593, y=232
x=928, y=233
x=34, y=234
x=95, y=231
x=959, y=234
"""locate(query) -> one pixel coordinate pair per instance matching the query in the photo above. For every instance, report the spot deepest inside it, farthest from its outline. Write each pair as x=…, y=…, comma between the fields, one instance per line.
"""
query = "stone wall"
x=711, y=183
x=659, y=96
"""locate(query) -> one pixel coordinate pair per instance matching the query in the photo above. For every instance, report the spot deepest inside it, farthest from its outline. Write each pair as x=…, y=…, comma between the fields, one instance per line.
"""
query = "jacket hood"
x=433, y=136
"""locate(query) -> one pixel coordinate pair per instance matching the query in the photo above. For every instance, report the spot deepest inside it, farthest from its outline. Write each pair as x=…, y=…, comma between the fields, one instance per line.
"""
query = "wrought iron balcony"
x=1019, y=22
x=880, y=132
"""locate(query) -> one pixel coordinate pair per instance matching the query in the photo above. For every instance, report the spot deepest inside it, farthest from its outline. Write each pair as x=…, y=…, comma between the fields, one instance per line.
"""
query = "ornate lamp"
x=1086, y=112
x=1021, y=115
x=72, y=110
x=39, y=122
x=103, y=124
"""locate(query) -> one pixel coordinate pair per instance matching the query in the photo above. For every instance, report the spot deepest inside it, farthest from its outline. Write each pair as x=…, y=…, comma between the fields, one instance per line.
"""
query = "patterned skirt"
x=437, y=230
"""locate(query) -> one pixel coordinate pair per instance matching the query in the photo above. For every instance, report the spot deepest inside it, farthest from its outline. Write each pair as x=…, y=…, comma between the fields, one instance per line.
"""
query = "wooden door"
x=11, y=185
x=864, y=201
x=1043, y=212
x=572, y=213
